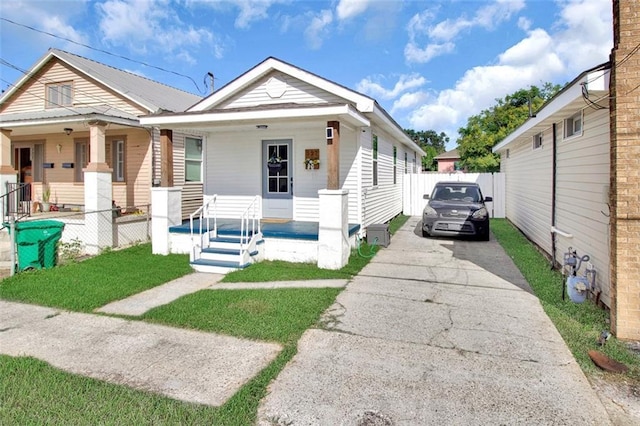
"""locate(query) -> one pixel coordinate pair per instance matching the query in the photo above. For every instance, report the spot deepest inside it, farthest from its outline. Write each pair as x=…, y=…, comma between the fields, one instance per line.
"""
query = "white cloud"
x=347, y=9
x=144, y=26
x=410, y=100
x=317, y=28
x=441, y=36
x=581, y=39
x=415, y=54
x=49, y=17
x=404, y=83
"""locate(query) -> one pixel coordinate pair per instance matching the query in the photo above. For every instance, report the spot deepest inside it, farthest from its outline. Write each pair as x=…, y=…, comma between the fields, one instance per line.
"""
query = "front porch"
x=287, y=240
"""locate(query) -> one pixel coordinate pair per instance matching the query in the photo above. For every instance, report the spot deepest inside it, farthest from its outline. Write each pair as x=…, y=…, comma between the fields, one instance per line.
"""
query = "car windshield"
x=468, y=194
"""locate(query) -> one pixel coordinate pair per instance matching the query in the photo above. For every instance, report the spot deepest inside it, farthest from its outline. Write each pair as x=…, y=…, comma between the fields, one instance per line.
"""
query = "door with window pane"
x=277, y=179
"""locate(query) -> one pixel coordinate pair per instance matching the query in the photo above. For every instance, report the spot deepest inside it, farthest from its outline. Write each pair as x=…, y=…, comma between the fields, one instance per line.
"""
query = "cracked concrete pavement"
x=433, y=331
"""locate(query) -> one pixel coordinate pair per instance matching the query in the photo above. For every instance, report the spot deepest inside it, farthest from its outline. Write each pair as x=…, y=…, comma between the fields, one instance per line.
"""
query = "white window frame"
x=538, y=140
x=59, y=94
x=193, y=160
x=570, y=128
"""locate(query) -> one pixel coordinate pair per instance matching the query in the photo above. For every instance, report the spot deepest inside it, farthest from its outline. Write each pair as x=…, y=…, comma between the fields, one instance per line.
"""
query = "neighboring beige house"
x=47, y=119
x=448, y=161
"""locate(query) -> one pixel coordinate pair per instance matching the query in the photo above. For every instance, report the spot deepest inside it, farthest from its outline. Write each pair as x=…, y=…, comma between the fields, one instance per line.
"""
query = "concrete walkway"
x=433, y=332
x=183, y=364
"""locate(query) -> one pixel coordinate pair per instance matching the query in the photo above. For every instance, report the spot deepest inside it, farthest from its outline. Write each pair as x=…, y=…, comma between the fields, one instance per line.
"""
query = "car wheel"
x=425, y=234
x=484, y=235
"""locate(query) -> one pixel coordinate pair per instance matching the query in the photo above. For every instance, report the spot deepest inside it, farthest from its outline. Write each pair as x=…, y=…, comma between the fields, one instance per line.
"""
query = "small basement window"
x=537, y=141
x=573, y=125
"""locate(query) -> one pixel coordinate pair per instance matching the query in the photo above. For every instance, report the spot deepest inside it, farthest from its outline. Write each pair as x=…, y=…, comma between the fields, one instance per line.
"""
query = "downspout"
x=554, y=168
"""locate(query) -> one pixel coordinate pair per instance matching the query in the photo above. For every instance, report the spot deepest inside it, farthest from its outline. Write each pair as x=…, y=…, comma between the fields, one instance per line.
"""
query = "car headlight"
x=481, y=213
x=430, y=212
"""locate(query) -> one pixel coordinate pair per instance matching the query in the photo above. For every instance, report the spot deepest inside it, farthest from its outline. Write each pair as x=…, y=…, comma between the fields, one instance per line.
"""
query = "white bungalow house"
x=557, y=174
x=290, y=148
x=71, y=125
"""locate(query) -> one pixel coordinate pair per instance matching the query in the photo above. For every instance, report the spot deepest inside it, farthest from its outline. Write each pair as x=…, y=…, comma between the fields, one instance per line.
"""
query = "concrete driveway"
x=433, y=332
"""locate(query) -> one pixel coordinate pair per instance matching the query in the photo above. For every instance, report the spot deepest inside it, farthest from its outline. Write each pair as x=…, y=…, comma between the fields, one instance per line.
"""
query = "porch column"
x=166, y=211
x=333, y=235
x=333, y=156
x=7, y=172
x=98, y=193
x=166, y=158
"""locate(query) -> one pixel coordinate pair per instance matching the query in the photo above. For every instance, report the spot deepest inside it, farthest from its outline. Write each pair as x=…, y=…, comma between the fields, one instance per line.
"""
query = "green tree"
x=432, y=144
x=485, y=130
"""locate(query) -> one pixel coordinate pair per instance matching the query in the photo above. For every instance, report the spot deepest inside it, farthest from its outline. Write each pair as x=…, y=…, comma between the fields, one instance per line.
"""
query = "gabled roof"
x=574, y=97
x=448, y=155
x=362, y=103
x=359, y=109
x=148, y=94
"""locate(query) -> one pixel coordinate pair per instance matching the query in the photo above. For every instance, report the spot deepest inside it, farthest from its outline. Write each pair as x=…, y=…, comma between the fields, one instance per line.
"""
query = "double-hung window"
x=395, y=162
x=59, y=95
x=193, y=159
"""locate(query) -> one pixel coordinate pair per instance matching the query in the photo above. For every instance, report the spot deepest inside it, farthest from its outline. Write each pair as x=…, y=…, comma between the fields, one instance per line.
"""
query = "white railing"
x=204, y=212
x=249, y=228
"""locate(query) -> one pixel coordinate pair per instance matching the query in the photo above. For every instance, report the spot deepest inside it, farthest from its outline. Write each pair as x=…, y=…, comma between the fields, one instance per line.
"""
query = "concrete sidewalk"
x=183, y=364
x=434, y=332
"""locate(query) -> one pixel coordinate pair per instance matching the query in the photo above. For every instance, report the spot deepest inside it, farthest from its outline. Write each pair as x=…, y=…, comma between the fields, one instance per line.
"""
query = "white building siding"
x=528, y=188
x=233, y=165
x=582, y=183
x=279, y=88
x=382, y=201
x=582, y=195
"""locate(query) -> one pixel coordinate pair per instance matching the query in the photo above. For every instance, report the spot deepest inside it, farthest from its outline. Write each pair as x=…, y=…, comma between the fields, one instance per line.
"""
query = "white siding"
x=528, y=187
x=581, y=192
x=382, y=201
x=233, y=168
x=295, y=91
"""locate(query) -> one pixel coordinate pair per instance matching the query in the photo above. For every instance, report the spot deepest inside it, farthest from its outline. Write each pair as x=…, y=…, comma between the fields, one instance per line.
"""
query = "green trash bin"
x=37, y=242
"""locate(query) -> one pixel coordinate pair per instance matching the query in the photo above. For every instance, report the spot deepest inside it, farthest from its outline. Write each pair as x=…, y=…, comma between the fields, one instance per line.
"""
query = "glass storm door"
x=277, y=179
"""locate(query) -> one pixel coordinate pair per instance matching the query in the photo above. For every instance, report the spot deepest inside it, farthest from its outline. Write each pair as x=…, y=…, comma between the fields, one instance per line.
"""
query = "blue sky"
x=430, y=64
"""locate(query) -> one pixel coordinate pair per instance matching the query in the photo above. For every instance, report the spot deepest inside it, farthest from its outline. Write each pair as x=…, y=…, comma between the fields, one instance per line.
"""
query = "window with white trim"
x=192, y=159
x=537, y=141
x=573, y=125
x=375, y=160
x=59, y=95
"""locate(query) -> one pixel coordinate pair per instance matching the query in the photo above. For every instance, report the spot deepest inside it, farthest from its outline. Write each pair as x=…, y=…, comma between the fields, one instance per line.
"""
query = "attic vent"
x=276, y=87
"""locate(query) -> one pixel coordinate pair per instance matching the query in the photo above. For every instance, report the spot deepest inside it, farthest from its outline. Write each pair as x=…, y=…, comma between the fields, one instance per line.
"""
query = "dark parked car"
x=456, y=209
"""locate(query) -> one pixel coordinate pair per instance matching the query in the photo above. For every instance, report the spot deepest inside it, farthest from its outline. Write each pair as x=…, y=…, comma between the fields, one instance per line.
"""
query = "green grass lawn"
x=578, y=324
x=32, y=392
x=93, y=283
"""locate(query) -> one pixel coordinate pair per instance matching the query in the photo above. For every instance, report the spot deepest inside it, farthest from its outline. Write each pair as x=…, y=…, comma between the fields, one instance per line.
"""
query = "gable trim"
x=362, y=103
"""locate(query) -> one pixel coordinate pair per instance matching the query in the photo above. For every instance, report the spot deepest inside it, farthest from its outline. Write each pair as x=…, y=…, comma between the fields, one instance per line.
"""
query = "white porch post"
x=97, y=193
x=333, y=235
x=7, y=172
x=166, y=211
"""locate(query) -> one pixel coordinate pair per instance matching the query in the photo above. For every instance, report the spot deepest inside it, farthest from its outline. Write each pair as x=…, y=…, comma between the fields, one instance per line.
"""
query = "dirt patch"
x=620, y=396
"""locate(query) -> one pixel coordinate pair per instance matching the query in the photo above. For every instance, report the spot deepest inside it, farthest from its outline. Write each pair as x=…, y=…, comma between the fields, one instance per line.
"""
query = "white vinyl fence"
x=416, y=185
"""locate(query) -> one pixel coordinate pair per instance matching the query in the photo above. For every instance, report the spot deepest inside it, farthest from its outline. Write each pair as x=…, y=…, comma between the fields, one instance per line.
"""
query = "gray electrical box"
x=379, y=231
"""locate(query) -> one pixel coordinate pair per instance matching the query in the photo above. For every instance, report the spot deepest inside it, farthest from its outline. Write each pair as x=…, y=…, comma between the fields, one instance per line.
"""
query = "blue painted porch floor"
x=293, y=229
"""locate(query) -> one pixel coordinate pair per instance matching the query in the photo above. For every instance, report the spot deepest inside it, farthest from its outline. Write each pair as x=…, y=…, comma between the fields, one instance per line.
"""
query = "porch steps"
x=223, y=255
